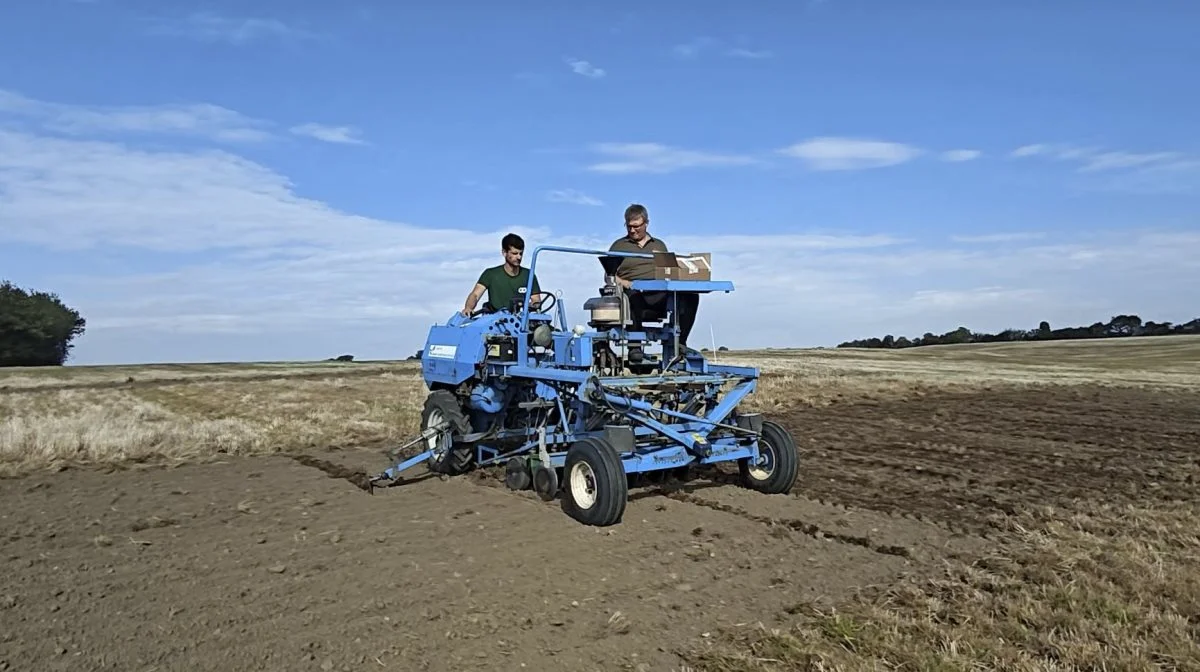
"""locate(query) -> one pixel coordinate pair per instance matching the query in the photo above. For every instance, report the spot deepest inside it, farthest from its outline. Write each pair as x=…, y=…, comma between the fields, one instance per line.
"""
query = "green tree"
x=36, y=328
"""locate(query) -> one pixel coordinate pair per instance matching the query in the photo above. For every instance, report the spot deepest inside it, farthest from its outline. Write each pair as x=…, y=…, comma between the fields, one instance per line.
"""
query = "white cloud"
x=941, y=299
x=959, y=155
x=223, y=259
x=834, y=153
x=1093, y=159
x=198, y=120
x=1115, y=160
x=1028, y=150
x=692, y=48
x=651, y=157
x=749, y=53
x=336, y=134
x=201, y=120
x=1137, y=172
x=999, y=237
x=584, y=68
x=572, y=196
x=211, y=27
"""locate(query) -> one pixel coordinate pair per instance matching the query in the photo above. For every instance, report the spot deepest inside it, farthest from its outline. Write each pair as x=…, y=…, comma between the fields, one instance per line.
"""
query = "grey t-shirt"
x=637, y=269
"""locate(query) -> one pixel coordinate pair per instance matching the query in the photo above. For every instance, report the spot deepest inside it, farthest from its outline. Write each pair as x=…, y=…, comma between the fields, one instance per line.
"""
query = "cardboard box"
x=693, y=266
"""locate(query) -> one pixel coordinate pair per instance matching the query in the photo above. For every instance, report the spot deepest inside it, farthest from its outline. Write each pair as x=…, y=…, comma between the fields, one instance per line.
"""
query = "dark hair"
x=636, y=210
x=512, y=241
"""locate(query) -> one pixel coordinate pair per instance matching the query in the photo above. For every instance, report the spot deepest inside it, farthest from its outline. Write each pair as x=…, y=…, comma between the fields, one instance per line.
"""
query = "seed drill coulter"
x=575, y=411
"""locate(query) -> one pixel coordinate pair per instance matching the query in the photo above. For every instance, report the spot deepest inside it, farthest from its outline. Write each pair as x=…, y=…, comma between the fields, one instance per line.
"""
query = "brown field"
x=1008, y=507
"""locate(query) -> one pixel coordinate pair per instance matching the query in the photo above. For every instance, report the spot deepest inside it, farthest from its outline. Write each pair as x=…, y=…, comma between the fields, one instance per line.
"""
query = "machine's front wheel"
x=779, y=461
x=595, y=488
x=450, y=455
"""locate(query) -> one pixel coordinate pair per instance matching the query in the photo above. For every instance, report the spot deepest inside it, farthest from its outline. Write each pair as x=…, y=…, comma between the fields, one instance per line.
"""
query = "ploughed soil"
x=281, y=563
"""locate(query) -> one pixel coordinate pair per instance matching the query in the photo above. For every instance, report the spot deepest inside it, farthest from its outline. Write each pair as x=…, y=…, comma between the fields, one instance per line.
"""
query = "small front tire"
x=779, y=464
x=595, y=488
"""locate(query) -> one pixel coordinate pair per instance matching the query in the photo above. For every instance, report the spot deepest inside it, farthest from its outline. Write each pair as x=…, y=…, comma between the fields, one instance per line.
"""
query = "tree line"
x=1118, y=326
x=36, y=328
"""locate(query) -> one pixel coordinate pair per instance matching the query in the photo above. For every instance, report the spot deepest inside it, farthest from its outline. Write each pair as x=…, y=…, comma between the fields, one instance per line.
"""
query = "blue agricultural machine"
x=578, y=411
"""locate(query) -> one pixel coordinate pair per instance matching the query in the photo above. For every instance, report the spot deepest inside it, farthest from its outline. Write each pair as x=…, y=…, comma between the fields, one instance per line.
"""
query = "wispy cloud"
x=1028, y=150
x=1093, y=159
x=959, y=155
x=1137, y=172
x=572, y=196
x=200, y=120
x=975, y=297
x=211, y=121
x=999, y=237
x=652, y=157
x=739, y=52
x=212, y=27
x=692, y=48
x=336, y=134
x=584, y=68
x=697, y=46
x=836, y=153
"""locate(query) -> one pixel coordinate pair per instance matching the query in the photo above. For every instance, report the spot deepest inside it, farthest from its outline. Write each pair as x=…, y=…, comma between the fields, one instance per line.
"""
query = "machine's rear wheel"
x=451, y=456
x=779, y=463
x=595, y=489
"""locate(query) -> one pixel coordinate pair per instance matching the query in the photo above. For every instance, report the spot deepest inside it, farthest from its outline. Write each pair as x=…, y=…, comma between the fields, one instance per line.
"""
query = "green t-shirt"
x=502, y=287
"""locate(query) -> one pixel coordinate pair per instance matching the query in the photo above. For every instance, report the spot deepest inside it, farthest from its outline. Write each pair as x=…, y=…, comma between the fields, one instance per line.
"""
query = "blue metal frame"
x=560, y=381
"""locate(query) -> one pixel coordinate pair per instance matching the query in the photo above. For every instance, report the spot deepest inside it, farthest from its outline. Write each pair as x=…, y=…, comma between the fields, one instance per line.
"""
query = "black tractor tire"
x=517, y=475
x=460, y=457
x=595, y=488
x=783, y=462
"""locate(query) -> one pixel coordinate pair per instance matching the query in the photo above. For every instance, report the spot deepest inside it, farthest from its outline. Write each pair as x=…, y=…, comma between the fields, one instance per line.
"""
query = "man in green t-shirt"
x=505, y=281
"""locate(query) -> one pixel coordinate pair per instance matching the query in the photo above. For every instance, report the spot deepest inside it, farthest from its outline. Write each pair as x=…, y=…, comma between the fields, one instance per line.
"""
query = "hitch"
x=398, y=465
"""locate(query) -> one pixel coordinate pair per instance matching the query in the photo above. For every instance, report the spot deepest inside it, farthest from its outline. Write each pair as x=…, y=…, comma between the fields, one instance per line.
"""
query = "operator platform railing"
x=672, y=286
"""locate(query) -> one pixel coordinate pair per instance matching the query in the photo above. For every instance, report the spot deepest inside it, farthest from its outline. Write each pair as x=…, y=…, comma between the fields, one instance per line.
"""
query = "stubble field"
x=1014, y=507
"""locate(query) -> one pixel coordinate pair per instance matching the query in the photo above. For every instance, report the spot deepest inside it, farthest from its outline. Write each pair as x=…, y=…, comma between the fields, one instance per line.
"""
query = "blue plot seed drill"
x=576, y=410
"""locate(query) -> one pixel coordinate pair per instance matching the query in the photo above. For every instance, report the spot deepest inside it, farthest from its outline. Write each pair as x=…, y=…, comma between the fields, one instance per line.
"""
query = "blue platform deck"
x=700, y=286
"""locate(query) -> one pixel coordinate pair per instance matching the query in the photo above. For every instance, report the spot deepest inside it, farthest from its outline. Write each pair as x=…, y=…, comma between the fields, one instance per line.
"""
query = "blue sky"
x=282, y=180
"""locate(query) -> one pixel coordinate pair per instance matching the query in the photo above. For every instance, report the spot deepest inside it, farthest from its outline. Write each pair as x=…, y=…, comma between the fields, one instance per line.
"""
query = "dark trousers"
x=686, y=303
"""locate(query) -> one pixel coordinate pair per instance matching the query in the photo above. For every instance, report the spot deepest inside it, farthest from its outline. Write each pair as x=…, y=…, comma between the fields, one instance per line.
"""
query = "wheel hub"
x=440, y=442
x=765, y=466
x=583, y=485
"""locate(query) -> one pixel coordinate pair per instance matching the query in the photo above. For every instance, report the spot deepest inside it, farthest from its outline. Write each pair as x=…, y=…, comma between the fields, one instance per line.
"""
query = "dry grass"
x=1095, y=589
x=46, y=426
x=97, y=415
x=1102, y=590
x=1172, y=362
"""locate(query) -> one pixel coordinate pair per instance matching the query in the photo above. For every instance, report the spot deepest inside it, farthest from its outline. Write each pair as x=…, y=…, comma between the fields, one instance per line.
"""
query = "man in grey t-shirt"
x=638, y=239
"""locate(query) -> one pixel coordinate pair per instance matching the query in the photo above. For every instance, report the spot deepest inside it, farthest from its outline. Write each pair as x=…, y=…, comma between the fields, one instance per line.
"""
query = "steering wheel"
x=542, y=307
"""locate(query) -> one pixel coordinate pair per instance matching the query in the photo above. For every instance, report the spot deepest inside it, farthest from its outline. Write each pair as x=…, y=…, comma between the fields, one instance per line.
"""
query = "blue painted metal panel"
x=700, y=286
x=571, y=350
x=453, y=350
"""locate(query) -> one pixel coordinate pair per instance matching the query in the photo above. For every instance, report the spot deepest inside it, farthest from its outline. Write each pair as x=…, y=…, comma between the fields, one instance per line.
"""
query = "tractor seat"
x=650, y=315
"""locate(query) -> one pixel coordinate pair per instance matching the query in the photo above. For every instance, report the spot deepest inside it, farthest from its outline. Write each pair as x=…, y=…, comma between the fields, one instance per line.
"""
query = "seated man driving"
x=638, y=239
x=505, y=281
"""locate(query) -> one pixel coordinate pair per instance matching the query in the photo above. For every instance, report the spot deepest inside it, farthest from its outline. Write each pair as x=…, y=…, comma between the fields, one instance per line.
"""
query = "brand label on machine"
x=442, y=351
